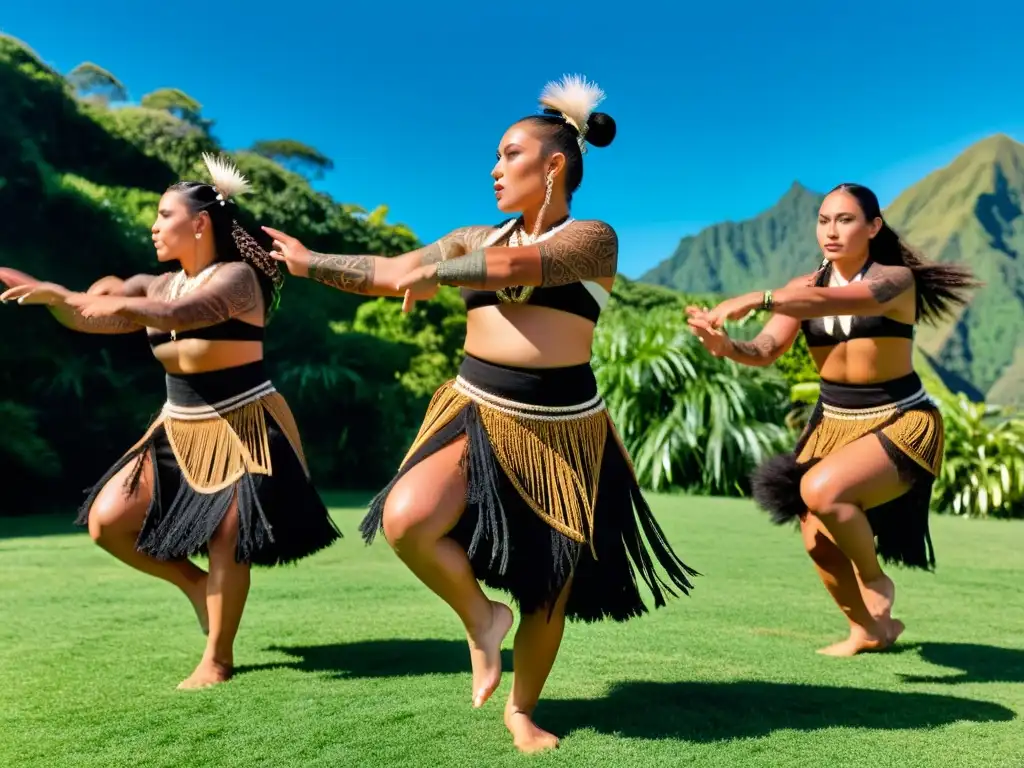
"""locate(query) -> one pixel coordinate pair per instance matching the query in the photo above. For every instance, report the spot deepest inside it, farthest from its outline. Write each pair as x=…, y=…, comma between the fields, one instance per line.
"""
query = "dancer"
x=517, y=476
x=221, y=469
x=866, y=462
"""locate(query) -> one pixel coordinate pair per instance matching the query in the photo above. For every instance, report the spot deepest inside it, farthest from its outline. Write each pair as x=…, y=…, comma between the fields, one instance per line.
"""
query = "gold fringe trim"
x=216, y=452
x=918, y=433
x=444, y=406
x=554, y=465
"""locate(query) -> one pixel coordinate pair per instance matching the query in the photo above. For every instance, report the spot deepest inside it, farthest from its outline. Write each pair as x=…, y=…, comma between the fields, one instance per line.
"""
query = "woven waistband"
x=868, y=401
x=548, y=394
x=213, y=393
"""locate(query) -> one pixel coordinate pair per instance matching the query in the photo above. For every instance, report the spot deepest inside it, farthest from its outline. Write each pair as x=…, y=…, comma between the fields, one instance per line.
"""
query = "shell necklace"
x=519, y=294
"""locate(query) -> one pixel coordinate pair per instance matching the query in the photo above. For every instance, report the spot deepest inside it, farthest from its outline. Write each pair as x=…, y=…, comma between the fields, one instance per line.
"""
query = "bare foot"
x=526, y=735
x=862, y=641
x=485, y=653
x=206, y=674
x=896, y=628
x=879, y=596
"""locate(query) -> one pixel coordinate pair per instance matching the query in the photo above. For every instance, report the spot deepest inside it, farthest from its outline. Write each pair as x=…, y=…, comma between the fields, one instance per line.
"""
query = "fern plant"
x=983, y=467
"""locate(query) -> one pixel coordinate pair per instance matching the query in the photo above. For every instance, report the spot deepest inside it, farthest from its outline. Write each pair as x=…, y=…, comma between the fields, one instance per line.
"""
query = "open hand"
x=733, y=309
x=14, y=277
x=35, y=293
x=716, y=341
x=289, y=250
x=419, y=284
x=92, y=305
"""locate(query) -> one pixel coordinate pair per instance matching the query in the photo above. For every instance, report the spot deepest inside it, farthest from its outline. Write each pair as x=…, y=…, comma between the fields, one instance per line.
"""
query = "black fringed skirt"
x=551, y=492
x=910, y=428
x=223, y=434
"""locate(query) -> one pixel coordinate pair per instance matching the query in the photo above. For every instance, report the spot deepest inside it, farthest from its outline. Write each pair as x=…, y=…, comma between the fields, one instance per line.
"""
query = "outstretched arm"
x=370, y=275
x=874, y=295
x=585, y=250
x=27, y=290
x=71, y=317
x=233, y=290
x=773, y=341
x=111, y=285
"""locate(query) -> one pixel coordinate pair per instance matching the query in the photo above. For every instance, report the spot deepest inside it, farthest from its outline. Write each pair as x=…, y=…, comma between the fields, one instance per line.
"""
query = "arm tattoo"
x=352, y=274
x=456, y=243
x=889, y=282
x=764, y=346
x=138, y=285
x=70, y=318
x=584, y=251
x=232, y=291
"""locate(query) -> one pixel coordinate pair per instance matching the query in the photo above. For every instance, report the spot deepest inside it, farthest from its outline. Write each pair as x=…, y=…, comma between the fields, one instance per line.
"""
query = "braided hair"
x=231, y=240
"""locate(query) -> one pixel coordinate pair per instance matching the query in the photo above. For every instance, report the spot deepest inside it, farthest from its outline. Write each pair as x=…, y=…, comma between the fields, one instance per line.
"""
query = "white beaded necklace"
x=520, y=293
x=182, y=284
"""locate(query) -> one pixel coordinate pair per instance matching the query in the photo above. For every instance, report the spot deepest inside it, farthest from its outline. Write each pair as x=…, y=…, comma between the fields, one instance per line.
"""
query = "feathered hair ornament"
x=575, y=99
x=226, y=178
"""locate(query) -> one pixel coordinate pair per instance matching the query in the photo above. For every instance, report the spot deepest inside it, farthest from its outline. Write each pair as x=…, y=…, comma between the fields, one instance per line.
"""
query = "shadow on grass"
x=719, y=711
x=977, y=663
x=378, y=658
x=687, y=711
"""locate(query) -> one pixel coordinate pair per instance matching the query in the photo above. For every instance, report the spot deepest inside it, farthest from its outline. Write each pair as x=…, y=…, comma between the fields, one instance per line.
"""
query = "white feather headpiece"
x=575, y=99
x=226, y=178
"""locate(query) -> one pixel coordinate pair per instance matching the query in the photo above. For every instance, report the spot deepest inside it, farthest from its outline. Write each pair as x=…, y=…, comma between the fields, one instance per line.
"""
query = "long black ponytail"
x=941, y=288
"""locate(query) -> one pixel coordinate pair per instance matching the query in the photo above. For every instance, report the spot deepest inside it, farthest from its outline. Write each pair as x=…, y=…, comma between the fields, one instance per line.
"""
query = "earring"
x=543, y=209
x=199, y=235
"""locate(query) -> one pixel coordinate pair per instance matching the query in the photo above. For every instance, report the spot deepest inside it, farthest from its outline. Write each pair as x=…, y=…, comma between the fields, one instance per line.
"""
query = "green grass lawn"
x=346, y=660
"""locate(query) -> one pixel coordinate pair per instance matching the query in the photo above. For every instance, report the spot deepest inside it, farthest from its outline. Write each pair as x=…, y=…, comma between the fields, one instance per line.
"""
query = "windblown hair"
x=569, y=121
x=941, y=288
x=231, y=240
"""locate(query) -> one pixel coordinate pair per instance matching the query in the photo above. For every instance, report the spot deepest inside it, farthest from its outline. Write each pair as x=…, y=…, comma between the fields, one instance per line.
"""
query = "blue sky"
x=719, y=108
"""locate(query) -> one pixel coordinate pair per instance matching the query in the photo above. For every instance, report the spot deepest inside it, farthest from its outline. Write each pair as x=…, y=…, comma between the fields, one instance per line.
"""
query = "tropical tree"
x=295, y=156
x=688, y=419
x=179, y=104
x=96, y=84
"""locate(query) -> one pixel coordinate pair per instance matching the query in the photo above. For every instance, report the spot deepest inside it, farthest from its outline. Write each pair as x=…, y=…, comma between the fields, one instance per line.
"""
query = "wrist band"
x=767, y=302
x=470, y=269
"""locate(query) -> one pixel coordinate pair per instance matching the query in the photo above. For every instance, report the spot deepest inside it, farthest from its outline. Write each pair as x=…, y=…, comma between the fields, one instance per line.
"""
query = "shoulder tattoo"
x=585, y=250
x=886, y=283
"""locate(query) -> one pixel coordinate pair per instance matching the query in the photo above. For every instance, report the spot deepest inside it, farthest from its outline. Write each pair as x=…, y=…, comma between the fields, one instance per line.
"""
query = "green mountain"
x=733, y=257
x=969, y=212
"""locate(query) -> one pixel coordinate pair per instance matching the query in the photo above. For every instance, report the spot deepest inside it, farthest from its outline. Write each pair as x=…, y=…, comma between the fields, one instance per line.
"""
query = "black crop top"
x=232, y=329
x=861, y=327
x=573, y=298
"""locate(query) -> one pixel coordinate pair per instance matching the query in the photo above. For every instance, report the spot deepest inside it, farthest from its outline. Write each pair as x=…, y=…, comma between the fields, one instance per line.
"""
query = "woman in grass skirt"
x=220, y=472
x=865, y=464
x=517, y=477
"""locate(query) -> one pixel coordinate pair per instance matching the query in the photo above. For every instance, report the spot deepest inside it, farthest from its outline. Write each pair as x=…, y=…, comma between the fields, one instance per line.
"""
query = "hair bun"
x=600, y=129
